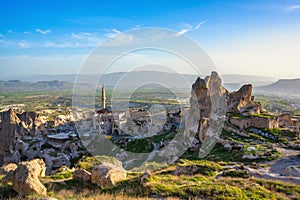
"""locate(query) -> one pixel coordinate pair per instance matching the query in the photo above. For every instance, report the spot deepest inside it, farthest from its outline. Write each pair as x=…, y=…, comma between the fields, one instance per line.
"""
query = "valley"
x=256, y=144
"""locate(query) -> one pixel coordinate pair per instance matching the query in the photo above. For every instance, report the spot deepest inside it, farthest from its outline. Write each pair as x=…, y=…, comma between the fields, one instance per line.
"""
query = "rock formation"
x=5, y=169
x=82, y=175
x=9, y=132
x=292, y=170
x=25, y=178
x=145, y=175
x=107, y=174
x=242, y=101
x=208, y=98
x=14, y=127
x=210, y=101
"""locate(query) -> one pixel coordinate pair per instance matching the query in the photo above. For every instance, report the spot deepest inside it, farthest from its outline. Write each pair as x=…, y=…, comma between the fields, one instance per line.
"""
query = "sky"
x=258, y=37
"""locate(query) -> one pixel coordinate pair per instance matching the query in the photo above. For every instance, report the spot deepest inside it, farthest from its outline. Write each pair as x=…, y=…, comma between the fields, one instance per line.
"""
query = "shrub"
x=236, y=173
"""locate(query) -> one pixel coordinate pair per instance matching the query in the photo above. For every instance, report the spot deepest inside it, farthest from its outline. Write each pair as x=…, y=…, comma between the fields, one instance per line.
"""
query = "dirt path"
x=288, y=152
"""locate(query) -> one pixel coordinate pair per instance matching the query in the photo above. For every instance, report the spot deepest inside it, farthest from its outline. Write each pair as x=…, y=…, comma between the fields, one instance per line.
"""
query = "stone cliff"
x=13, y=127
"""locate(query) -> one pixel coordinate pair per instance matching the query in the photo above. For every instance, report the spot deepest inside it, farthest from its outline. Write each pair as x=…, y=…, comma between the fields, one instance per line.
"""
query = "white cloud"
x=78, y=35
x=85, y=37
x=10, y=31
x=293, y=8
x=122, y=38
x=24, y=44
x=183, y=31
x=189, y=27
x=72, y=40
x=1, y=36
x=44, y=32
x=199, y=25
x=27, y=33
x=112, y=33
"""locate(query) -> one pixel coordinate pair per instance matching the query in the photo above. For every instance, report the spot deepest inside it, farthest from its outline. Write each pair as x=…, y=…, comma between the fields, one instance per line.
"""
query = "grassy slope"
x=162, y=183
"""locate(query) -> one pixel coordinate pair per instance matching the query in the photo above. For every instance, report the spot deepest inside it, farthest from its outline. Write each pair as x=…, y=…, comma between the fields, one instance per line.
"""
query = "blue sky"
x=242, y=37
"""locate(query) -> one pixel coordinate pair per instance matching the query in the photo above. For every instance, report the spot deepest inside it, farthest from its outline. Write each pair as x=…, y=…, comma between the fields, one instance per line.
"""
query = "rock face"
x=210, y=101
x=107, y=174
x=243, y=101
x=13, y=127
x=9, y=131
x=208, y=98
x=25, y=178
x=82, y=175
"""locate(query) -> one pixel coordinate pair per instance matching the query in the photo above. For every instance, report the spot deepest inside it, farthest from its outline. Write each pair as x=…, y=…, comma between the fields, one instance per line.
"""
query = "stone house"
x=256, y=122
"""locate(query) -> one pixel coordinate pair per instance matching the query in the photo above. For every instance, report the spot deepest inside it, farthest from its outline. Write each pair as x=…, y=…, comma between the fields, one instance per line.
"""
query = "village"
x=60, y=142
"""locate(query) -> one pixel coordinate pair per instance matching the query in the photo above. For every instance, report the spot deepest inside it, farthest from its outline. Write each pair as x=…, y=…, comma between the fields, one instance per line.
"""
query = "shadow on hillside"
x=279, y=166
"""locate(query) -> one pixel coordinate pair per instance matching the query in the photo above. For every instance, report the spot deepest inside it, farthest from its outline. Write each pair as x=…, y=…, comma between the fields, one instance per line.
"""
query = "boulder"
x=82, y=175
x=25, y=178
x=145, y=175
x=107, y=174
x=292, y=170
x=250, y=156
x=185, y=170
x=5, y=169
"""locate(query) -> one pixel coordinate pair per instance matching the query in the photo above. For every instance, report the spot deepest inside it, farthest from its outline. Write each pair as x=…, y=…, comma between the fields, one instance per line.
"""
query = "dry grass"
x=88, y=195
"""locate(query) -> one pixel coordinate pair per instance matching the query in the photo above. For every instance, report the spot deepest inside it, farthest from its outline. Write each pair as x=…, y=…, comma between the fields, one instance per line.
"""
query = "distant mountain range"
x=289, y=87
x=21, y=86
x=265, y=85
x=232, y=80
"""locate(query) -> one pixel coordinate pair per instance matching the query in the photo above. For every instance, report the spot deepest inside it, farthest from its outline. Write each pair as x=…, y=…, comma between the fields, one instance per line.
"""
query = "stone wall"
x=285, y=120
x=261, y=122
x=257, y=122
x=241, y=123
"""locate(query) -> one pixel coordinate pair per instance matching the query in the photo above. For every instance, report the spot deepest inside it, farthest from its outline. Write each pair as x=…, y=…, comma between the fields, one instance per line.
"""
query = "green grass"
x=219, y=153
x=262, y=115
x=204, y=167
x=236, y=173
x=162, y=184
x=139, y=146
x=88, y=162
x=238, y=116
x=61, y=175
